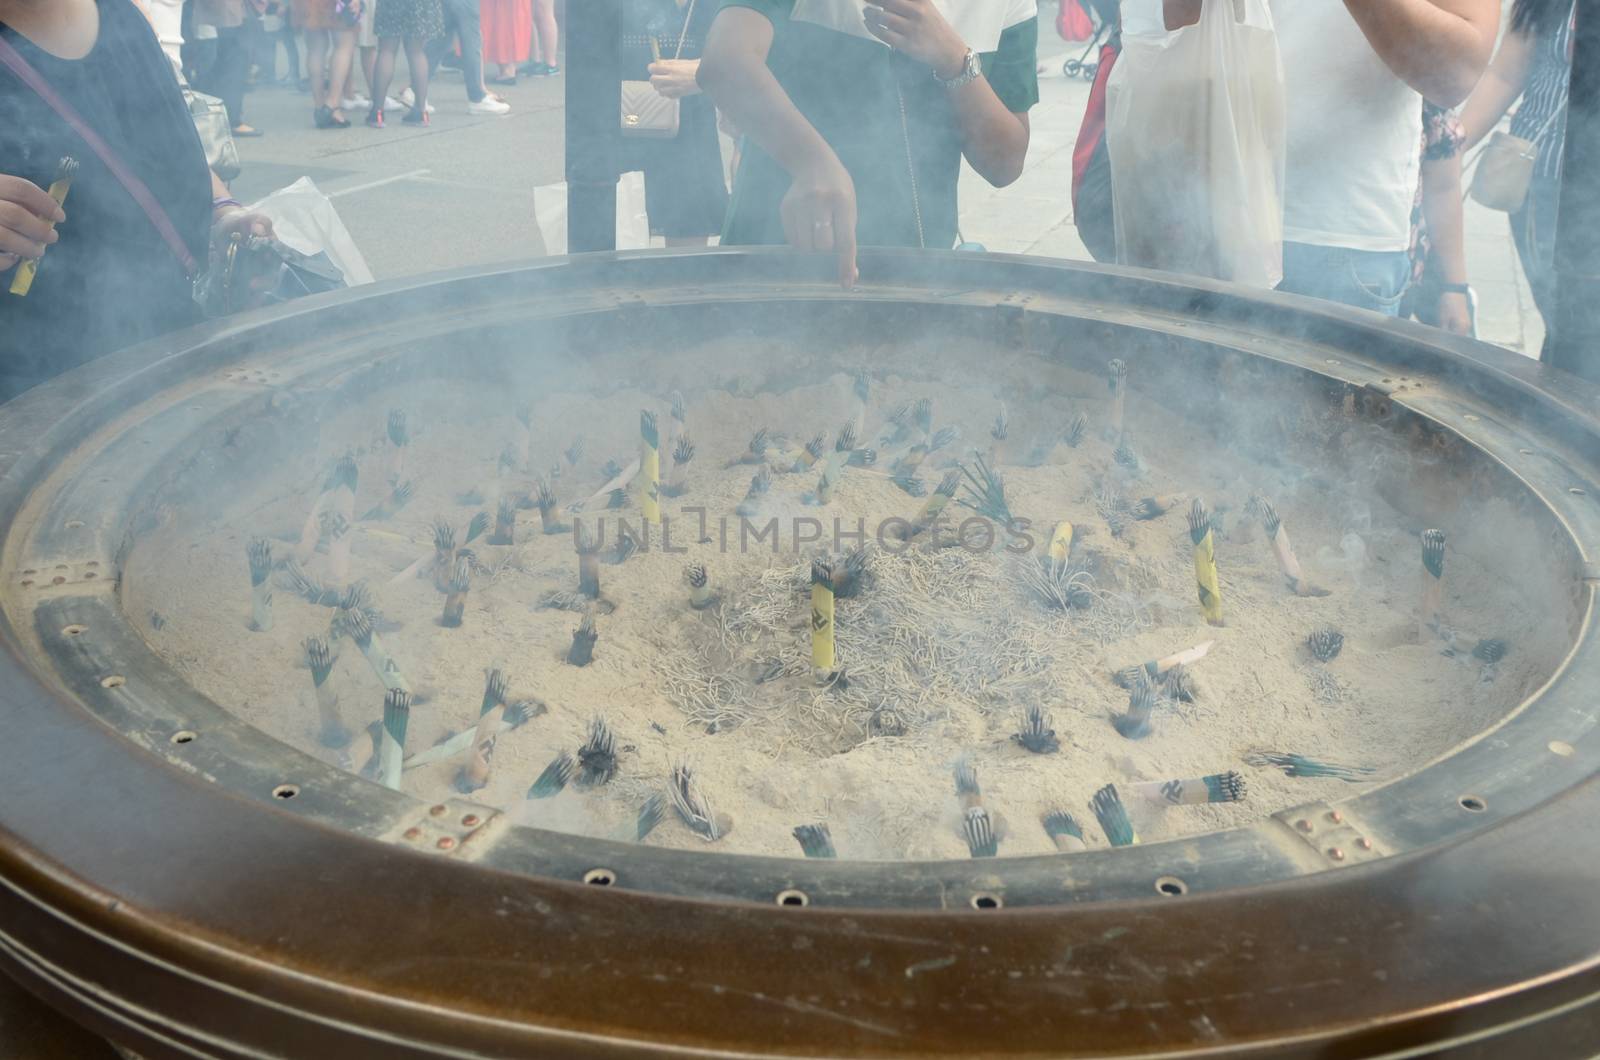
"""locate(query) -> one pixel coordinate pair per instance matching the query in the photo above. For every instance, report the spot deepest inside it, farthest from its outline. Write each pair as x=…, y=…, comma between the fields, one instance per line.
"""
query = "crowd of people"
x=852, y=119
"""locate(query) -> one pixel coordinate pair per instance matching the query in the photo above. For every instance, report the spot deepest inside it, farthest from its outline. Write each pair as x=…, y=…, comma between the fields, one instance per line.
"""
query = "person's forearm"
x=1438, y=47
x=733, y=72
x=993, y=139
x=1500, y=87
x=1441, y=209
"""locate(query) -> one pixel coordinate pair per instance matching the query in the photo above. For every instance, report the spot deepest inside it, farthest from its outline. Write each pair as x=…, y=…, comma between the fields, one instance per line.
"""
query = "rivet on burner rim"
x=446, y=842
x=1335, y=816
x=413, y=833
x=470, y=820
x=1364, y=843
x=438, y=810
x=1335, y=853
x=1303, y=824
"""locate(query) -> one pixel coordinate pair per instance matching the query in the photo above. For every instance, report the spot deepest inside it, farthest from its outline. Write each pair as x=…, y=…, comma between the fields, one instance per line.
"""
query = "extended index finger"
x=31, y=197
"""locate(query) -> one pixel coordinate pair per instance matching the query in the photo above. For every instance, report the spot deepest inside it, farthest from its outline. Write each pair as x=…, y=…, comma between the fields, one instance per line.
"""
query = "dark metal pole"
x=1574, y=342
x=593, y=103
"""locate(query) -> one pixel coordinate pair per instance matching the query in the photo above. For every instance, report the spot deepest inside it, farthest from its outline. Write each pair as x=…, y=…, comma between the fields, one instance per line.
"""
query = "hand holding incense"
x=259, y=552
x=66, y=169
x=1205, y=562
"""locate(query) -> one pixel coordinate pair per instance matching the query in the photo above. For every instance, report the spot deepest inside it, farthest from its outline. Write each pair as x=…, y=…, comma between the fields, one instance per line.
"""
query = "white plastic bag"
x=633, y=226
x=305, y=219
x=1195, y=132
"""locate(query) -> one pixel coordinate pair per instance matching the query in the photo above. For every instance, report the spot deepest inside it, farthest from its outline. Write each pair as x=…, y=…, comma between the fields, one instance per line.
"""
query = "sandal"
x=323, y=117
x=375, y=118
x=416, y=117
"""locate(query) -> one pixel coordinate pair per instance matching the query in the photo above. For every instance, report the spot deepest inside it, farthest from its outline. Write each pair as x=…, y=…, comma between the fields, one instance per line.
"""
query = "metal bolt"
x=1335, y=816
x=413, y=833
x=439, y=810
x=1335, y=853
x=1364, y=843
x=470, y=820
x=446, y=842
x=1303, y=824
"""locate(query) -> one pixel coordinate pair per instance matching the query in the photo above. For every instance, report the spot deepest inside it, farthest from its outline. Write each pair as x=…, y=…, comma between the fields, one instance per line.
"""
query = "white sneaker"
x=390, y=103
x=407, y=98
x=489, y=105
x=356, y=102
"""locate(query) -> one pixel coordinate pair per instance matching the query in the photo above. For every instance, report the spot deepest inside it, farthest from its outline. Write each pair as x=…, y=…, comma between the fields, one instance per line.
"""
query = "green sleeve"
x=775, y=10
x=1011, y=68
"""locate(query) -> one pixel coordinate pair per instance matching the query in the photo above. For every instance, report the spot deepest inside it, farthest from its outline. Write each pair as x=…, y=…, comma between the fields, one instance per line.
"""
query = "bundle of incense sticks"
x=475, y=774
x=810, y=453
x=1278, y=534
x=1135, y=724
x=66, y=169
x=391, y=750
x=444, y=554
x=1064, y=831
x=700, y=596
x=1157, y=506
x=1216, y=787
x=760, y=485
x=1117, y=383
x=359, y=625
x=998, y=435
x=545, y=499
x=694, y=808
x=1205, y=562
x=555, y=777
x=1113, y=817
x=514, y=716
x=822, y=658
x=588, y=560
x=682, y=453
x=597, y=758
x=341, y=478
x=259, y=552
x=1432, y=616
x=982, y=842
x=319, y=658
x=649, y=467
x=1036, y=734
x=936, y=504
x=1156, y=667
x=815, y=840
x=1060, y=546
x=505, y=523
x=399, y=439
x=522, y=436
x=455, y=604
x=391, y=504
x=583, y=640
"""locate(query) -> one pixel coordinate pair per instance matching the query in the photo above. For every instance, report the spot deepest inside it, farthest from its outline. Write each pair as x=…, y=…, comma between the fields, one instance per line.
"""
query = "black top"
x=110, y=280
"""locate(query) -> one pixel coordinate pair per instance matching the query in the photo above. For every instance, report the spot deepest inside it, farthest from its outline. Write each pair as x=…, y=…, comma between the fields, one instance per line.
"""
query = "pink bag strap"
x=132, y=184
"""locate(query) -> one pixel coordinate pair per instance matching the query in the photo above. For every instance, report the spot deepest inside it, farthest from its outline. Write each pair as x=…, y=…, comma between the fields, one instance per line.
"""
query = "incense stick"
x=597, y=758
x=1296, y=765
x=475, y=774
x=390, y=506
x=455, y=604
x=545, y=498
x=259, y=553
x=1205, y=562
x=1325, y=644
x=700, y=595
x=1278, y=534
x=998, y=433
x=505, y=523
x=583, y=640
x=555, y=777
x=514, y=716
x=682, y=453
x=694, y=809
x=1135, y=724
x=979, y=829
x=760, y=484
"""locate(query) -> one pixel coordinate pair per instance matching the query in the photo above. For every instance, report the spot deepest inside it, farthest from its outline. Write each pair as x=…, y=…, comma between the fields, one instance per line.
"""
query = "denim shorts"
x=1366, y=279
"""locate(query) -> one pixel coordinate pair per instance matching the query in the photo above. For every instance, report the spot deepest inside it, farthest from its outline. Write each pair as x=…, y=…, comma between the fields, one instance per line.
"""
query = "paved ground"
x=475, y=190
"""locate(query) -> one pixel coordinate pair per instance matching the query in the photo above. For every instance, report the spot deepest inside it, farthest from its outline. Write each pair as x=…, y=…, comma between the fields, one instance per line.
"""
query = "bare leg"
x=344, y=47
x=369, y=59
x=383, y=71
x=317, y=66
x=544, y=25
x=417, y=60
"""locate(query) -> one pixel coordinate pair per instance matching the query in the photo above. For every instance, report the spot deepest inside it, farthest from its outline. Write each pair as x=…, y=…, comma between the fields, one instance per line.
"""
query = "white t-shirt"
x=1354, y=135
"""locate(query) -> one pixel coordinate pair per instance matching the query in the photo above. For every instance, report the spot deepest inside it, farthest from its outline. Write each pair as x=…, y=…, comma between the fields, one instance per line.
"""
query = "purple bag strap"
x=134, y=186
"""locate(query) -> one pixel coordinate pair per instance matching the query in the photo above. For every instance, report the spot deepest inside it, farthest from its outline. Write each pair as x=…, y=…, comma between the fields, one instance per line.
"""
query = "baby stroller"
x=1090, y=20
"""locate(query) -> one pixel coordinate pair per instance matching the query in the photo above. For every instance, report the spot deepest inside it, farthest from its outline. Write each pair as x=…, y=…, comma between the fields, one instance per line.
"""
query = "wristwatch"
x=970, y=71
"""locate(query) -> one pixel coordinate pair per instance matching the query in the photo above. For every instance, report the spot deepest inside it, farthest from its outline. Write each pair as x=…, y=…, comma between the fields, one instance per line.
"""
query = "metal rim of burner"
x=166, y=890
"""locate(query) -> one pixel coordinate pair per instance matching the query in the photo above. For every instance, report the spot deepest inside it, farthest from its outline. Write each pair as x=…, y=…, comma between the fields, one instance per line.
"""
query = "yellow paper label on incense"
x=822, y=628
x=650, y=482
x=1061, y=542
x=1205, y=576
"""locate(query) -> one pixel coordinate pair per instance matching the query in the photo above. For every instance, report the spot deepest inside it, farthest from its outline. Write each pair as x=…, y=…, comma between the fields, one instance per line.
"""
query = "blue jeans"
x=462, y=16
x=1366, y=279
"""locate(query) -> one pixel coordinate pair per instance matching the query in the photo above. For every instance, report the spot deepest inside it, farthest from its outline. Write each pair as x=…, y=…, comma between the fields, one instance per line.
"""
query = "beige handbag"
x=646, y=113
x=1505, y=167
